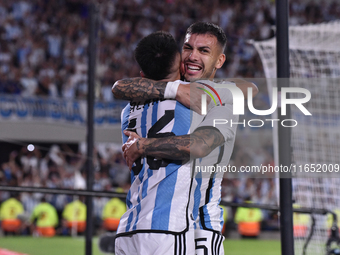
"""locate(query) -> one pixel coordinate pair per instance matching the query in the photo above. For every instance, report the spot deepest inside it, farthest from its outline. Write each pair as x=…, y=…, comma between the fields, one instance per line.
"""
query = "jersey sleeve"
x=222, y=119
x=218, y=94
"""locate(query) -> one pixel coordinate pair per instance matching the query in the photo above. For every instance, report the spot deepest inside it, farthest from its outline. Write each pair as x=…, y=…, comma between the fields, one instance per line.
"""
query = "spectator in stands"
x=32, y=40
x=112, y=212
x=74, y=216
x=301, y=223
x=44, y=219
x=9, y=212
x=248, y=220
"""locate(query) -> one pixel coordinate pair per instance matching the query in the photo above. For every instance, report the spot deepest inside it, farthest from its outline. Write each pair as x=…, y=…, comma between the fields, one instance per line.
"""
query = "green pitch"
x=252, y=247
x=72, y=246
x=50, y=246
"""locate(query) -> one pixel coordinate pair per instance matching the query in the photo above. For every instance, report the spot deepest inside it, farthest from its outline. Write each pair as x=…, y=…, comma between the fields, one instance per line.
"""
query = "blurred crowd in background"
x=43, y=44
x=43, y=52
x=64, y=167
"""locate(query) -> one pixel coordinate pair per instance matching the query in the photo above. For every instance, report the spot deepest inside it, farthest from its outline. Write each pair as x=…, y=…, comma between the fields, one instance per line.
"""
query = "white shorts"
x=156, y=244
x=208, y=242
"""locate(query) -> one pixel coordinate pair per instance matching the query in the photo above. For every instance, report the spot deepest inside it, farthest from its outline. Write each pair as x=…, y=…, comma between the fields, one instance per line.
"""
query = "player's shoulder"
x=219, y=89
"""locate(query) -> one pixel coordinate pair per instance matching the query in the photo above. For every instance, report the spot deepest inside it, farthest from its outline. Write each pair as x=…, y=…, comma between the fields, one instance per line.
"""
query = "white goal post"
x=314, y=65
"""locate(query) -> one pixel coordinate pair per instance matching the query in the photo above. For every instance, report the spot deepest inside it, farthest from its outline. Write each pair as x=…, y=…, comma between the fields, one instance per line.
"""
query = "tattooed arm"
x=141, y=89
x=197, y=145
x=138, y=89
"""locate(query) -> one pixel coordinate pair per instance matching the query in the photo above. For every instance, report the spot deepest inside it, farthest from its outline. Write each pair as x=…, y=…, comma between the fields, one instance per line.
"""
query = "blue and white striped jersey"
x=163, y=194
x=208, y=190
x=159, y=197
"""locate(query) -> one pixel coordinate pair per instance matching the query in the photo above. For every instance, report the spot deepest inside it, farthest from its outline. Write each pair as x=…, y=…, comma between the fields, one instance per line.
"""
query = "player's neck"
x=173, y=77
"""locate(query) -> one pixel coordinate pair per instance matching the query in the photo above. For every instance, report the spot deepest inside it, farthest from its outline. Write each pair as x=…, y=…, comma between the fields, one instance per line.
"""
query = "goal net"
x=315, y=66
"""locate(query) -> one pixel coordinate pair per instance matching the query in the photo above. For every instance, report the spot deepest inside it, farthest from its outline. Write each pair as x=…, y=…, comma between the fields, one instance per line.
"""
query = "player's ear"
x=220, y=61
x=142, y=74
x=181, y=68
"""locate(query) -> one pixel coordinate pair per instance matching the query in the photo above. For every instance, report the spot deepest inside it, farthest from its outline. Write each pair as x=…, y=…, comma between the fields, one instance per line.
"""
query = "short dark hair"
x=156, y=54
x=209, y=28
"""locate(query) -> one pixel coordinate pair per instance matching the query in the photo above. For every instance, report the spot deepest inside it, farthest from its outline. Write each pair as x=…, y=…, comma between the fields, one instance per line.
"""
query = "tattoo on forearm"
x=137, y=144
x=169, y=147
x=209, y=137
x=202, y=141
x=139, y=89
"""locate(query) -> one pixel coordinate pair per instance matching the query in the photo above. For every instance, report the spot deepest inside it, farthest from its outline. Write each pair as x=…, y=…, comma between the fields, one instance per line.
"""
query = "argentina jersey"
x=159, y=196
x=208, y=171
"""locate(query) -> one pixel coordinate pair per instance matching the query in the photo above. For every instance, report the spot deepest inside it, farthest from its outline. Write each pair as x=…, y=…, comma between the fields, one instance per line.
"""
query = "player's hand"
x=132, y=149
x=190, y=96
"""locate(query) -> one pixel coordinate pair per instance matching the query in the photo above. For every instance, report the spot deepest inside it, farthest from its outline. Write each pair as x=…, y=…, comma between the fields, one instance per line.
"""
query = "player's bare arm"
x=137, y=89
x=197, y=145
x=142, y=89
